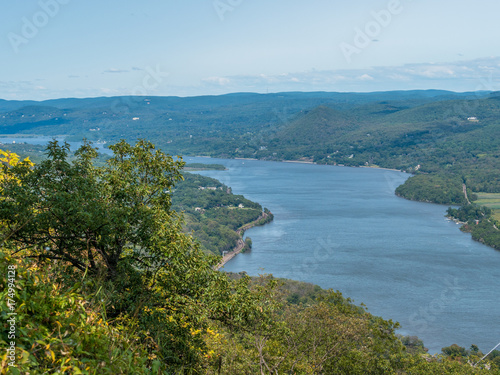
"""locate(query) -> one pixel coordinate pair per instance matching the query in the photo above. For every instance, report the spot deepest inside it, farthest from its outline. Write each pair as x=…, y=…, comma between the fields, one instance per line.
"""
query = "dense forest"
x=446, y=139
x=103, y=280
x=435, y=189
x=210, y=210
x=212, y=213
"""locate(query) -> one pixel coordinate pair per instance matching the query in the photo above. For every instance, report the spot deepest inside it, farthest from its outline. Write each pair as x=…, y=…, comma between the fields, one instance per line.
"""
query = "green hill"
x=453, y=136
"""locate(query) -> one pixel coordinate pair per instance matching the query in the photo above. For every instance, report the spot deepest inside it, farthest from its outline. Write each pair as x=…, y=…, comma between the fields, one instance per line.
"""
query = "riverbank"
x=426, y=198
x=384, y=169
x=263, y=219
x=298, y=161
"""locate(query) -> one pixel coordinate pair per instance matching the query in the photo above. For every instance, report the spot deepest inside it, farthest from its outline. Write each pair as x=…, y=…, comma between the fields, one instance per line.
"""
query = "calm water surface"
x=343, y=228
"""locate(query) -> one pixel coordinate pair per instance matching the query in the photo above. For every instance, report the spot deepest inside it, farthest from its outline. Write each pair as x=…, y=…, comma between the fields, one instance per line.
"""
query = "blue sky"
x=74, y=48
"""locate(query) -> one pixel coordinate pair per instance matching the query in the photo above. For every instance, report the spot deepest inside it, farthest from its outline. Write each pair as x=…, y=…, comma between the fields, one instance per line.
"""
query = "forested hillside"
x=102, y=280
x=232, y=125
x=447, y=139
x=212, y=213
x=416, y=131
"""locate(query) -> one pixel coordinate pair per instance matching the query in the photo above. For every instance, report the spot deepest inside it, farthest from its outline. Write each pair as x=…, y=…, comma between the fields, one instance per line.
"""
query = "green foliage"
x=161, y=307
x=291, y=291
x=486, y=232
x=454, y=351
x=425, y=365
x=479, y=222
x=212, y=212
x=494, y=357
x=61, y=331
x=440, y=189
x=115, y=224
x=214, y=236
x=248, y=245
x=413, y=344
x=469, y=213
x=251, y=329
x=93, y=217
x=207, y=193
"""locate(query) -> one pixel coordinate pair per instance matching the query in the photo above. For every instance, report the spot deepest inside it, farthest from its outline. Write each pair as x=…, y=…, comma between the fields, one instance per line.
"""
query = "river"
x=343, y=228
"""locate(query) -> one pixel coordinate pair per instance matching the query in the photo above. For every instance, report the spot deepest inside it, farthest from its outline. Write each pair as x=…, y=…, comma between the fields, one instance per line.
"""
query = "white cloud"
x=464, y=75
x=436, y=72
x=455, y=76
x=365, y=77
x=399, y=77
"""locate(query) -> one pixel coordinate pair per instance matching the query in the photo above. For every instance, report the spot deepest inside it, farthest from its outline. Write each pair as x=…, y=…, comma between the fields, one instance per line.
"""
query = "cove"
x=343, y=228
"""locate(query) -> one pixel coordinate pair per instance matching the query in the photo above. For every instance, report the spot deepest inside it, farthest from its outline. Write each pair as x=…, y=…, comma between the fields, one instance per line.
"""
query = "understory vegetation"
x=106, y=282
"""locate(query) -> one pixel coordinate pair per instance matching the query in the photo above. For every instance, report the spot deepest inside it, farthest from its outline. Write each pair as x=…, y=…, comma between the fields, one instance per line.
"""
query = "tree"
x=454, y=351
x=93, y=218
x=9, y=160
x=115, y=224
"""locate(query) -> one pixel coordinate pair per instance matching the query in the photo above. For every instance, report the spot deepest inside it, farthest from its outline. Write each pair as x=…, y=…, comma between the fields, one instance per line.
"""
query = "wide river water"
x=343, y=228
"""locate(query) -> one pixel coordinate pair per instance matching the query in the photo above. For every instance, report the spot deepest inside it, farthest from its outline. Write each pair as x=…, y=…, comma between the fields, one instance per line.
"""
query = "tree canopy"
x=94, y=218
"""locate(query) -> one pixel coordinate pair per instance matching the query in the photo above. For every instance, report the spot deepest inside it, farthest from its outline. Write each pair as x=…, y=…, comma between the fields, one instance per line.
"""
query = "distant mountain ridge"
x=425, y=131
x=178, y=117
x=241, y=98
x=450, y=139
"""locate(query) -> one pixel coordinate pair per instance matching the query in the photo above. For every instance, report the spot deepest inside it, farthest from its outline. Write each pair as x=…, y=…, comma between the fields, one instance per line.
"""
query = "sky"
x=74, y=48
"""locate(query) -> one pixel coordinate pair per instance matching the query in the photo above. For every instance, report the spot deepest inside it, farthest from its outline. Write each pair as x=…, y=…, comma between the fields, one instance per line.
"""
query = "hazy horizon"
x=63, y=48
x=246, y=93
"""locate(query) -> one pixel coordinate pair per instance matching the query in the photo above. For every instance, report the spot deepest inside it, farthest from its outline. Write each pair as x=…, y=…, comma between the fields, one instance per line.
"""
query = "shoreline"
x=305, y=162
x=240, y=244
x=30, y=137
x=382, y=168
x=298, y=162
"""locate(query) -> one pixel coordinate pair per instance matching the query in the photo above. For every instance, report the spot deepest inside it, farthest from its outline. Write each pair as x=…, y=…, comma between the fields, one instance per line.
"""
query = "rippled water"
x=343, y=228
